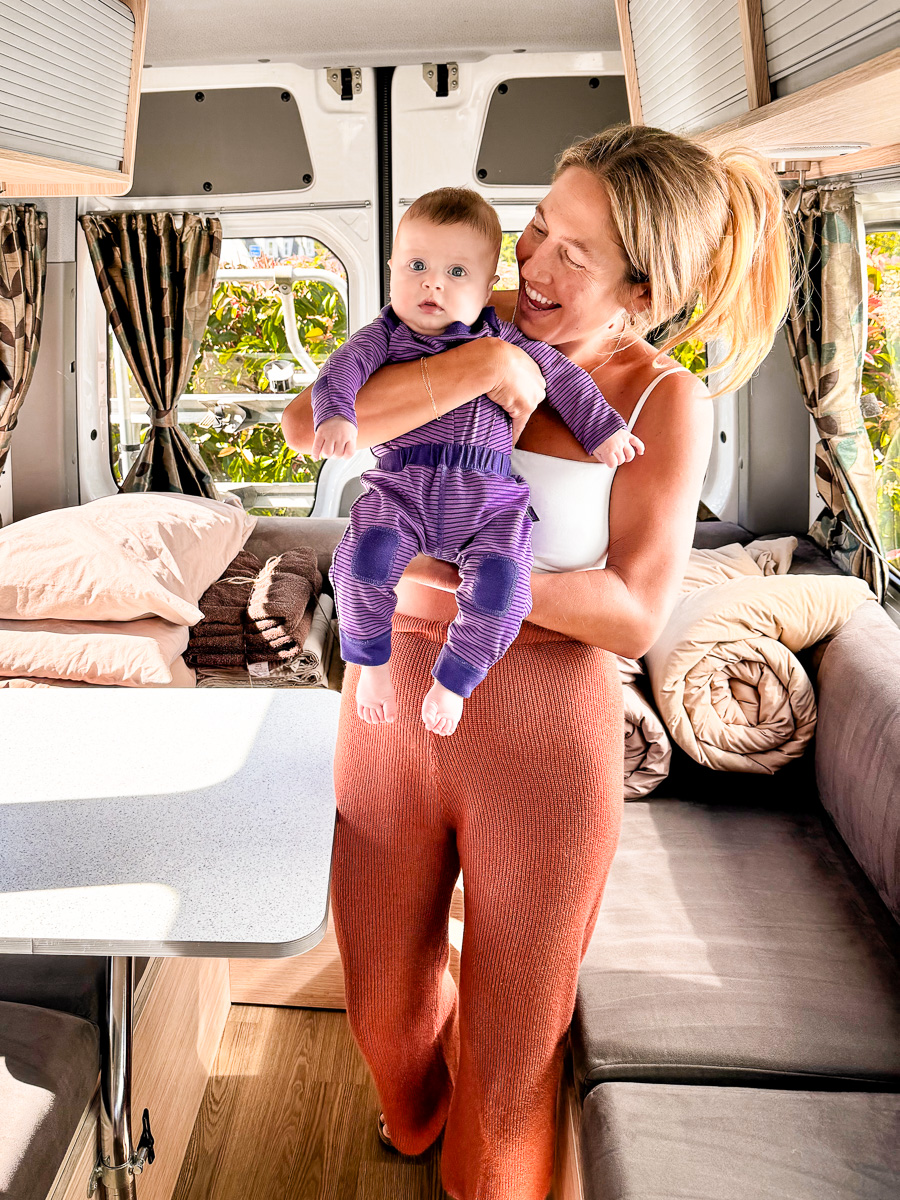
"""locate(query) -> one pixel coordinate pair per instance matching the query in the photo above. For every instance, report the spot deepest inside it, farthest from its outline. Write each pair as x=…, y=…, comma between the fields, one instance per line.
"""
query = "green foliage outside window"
x=245, y=332
x=881, y=381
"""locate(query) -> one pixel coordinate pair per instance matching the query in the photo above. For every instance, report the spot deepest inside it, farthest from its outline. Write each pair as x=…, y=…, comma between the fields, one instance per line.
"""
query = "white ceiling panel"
x=370, y=33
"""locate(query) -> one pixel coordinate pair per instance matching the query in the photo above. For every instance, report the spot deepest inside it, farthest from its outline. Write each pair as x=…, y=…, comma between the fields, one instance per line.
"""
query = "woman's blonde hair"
x=708, y=232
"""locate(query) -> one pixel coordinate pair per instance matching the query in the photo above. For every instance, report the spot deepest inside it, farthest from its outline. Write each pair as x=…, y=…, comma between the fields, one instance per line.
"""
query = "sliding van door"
x=285, y=156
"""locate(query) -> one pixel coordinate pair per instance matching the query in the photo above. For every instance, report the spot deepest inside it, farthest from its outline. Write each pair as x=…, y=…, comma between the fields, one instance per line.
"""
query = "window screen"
x=531, y=121
x=220, y=141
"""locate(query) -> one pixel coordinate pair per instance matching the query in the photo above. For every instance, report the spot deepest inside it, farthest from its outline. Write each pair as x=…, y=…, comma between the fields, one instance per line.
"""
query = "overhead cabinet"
x=771, y=74
x=70, y=77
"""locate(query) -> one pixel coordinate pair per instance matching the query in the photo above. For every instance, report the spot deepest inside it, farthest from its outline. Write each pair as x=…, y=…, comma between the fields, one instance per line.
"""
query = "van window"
x=247, y=372
x=881, y=380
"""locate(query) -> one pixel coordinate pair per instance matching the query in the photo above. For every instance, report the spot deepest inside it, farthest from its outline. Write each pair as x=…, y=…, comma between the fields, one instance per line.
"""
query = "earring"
x=631, y=319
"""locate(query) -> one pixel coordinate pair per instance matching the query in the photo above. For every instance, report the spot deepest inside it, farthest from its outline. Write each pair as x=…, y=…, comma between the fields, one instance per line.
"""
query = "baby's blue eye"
x=457, y=272
x=418, y=264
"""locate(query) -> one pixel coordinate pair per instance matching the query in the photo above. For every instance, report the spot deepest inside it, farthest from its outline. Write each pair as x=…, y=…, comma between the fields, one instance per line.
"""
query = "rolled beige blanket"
x=648, y=751
x=724, y=675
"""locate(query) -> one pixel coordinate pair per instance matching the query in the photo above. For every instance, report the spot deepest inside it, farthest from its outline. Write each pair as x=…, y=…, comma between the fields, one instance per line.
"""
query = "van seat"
x=664, y=1142
x=733, y=946
x=49, y=1063
x=70, y=983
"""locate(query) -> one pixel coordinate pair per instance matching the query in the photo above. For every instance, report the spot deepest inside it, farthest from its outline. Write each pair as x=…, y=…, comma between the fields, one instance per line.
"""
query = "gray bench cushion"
x=51, y=1061
x=733, y=946
x=70, y=983
x=274, y=535
x=858, y=743
x=661, y=1142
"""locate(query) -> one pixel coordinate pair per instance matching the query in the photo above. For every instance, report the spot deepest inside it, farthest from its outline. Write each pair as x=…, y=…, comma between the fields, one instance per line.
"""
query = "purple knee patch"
x=373, y=558
x=494, y=582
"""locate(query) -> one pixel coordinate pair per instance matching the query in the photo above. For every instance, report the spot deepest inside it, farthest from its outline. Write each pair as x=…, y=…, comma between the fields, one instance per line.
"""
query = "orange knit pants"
x=526, y=798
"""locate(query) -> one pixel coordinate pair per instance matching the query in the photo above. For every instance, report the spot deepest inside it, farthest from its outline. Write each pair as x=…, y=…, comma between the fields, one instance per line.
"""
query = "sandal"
x=382, y=1133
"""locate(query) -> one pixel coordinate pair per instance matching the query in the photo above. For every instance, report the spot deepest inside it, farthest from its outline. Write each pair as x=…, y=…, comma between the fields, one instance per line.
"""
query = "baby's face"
x=440, y=274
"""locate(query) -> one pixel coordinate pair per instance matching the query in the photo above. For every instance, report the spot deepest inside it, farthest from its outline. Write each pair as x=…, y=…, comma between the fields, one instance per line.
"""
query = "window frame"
x=96, y=478
x=884, y=225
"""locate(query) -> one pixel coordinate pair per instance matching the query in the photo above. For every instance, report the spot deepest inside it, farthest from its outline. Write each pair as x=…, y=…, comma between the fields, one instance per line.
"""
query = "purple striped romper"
x=446, y=490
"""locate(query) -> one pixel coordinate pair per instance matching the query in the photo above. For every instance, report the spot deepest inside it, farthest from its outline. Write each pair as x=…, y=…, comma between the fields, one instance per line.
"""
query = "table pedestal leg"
x=118, y=1163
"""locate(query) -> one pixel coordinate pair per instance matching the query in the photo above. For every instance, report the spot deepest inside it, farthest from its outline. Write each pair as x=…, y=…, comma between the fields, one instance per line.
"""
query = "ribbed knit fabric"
x=526, y=798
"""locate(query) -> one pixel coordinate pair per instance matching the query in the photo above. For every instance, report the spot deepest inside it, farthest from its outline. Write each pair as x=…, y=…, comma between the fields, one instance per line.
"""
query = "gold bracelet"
x=427, y=383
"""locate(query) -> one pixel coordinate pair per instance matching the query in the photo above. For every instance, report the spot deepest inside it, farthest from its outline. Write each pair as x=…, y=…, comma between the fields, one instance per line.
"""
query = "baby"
x=445, y=489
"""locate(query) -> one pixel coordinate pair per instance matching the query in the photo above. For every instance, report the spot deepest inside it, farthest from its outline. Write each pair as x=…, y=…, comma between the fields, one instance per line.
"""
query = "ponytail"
x=708, y=232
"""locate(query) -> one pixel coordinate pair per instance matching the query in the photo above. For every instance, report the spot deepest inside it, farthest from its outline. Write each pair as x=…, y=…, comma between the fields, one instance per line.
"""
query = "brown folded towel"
x=281, y=606
x=218, y=640
x=232, y=642
x=230, y=596
x=216, y=660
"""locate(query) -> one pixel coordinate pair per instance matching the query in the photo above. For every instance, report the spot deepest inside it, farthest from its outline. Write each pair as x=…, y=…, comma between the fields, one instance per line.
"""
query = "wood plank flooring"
x=289, y=1114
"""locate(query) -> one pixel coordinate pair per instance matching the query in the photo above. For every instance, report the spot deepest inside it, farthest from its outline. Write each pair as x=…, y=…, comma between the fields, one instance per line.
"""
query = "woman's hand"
x=433, y=572
x=520, y=386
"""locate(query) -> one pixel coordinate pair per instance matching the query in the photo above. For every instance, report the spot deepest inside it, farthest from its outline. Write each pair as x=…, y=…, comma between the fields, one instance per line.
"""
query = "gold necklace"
x=614, y=350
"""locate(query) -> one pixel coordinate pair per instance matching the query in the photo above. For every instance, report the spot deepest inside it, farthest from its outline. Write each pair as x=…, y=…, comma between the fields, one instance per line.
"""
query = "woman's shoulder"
x=666, y=380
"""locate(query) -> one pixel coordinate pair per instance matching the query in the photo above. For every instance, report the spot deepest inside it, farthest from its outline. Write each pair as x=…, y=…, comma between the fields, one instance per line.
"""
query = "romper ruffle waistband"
x=448, y=454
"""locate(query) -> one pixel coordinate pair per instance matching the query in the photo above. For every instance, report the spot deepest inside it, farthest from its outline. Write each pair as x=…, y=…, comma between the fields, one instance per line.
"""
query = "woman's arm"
x=394, y=400
x=653, y=509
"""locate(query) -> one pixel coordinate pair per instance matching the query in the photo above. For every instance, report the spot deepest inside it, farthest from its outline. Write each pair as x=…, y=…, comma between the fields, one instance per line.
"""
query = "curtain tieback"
x=168, y=418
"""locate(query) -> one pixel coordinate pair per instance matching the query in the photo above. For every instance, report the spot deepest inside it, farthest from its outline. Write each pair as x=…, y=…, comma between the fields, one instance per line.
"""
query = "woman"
x=526, y=795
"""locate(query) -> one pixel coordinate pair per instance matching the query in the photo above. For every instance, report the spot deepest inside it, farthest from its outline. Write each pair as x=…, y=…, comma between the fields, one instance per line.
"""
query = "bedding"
x=648, y=751
x=129, y=653
x=725, y=677
x=122, y=558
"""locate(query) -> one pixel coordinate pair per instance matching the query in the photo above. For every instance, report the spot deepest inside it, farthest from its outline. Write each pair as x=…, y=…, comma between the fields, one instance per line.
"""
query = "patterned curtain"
x=157, y=279
x=23, y=272
x=827, y=329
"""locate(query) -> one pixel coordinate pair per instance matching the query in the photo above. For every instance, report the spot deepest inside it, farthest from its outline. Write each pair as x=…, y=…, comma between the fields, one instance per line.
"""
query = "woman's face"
x=570, y=257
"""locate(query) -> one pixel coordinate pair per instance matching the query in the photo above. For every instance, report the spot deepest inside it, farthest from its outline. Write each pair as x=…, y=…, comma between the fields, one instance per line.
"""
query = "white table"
x=162, y=822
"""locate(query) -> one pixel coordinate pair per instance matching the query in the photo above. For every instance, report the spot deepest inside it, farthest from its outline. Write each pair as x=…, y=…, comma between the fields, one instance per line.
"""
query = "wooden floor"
x=289, y=1114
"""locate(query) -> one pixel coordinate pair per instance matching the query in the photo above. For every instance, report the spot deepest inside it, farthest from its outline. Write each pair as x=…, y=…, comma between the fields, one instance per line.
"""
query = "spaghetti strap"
x=649, y=389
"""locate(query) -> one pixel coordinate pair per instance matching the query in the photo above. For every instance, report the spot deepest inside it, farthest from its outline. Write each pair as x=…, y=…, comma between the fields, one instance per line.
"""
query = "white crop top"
x=571, y=500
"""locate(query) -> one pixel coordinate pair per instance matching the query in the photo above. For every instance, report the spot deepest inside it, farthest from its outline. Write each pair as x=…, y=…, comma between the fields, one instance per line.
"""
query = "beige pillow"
x=120, y=558
x=182, y=677
x=130, y=653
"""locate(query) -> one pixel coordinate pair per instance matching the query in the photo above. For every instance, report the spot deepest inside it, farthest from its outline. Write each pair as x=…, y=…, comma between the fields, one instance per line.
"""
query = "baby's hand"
x=335, y=438
x=620, y=448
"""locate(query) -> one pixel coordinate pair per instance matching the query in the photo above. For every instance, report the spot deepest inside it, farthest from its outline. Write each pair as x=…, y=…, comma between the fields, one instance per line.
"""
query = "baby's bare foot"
x=441, y=709
x=375, y=700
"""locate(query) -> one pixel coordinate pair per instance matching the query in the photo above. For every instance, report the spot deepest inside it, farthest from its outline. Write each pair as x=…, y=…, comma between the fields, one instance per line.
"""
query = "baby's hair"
x=458, y=206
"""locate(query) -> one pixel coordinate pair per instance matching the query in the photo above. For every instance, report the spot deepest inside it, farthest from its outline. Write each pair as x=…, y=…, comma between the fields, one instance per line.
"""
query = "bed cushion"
x=858, y=743
x=663, y=1142
x=119, y=559
x=733, y=945
x=51, y=1061
x=131, y=653
x=274, y=535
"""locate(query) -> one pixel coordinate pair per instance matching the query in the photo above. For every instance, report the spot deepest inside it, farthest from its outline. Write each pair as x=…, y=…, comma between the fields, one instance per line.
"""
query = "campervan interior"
x=198, y=200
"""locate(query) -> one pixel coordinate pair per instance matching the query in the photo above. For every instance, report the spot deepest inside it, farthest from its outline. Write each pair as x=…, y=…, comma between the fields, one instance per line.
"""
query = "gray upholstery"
x=808, y=559
x=710, y=535
x=732, y=947
x=663, y=1142
x=50, y=1063
x=274, y=535
x=67, y=982
x=858, y=743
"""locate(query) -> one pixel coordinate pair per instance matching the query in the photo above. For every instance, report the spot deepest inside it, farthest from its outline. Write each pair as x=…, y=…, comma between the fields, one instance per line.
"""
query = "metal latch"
x=115, y=1178
x=442, y=78
x=346, y=81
